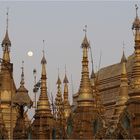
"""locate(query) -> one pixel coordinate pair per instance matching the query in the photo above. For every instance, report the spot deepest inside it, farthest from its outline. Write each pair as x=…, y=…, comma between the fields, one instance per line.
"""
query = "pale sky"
x=61, y=25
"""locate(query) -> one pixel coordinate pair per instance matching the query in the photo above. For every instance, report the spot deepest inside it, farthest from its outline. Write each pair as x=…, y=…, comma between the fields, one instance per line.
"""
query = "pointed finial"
x=43, y=61
x=43, y=44
x=7, y=13
x=85, y=29
x=58, y=80
x=85, y=42
x=123, y=59
x=136, y=10
x=22, y=74
x=43, y=47
x=65, y=78
x=136, y=23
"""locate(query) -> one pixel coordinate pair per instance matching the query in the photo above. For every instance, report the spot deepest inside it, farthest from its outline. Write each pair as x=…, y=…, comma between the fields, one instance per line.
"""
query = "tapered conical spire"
x=136, y=26
x=58, y=81
x=58, y=99
x=43, y=102
x=67, y=108
x=65, y=81
x=85, y=114
x=135, y=83
x=124, y=81
x=60, y=118
x=123, y=94
x=6, y=44
x=42, y=124
x=85, y=92
x=123, y=59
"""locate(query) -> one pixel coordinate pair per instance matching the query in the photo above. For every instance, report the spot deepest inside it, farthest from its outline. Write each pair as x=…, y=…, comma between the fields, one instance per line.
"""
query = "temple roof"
x=115, y=69
x=22, y=97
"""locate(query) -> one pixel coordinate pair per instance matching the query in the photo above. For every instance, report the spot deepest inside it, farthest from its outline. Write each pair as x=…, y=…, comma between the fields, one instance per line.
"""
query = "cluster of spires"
x=86, y=96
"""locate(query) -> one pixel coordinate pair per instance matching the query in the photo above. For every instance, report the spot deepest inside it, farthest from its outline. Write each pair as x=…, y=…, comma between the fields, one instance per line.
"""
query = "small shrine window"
x=96, y=126
x=69, y=128
x=53, y=133
x=126, y=122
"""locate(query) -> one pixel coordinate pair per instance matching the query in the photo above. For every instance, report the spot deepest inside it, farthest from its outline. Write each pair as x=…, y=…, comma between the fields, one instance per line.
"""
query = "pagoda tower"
x=7, y=86
x=123, y=94
x=86, y=119
x=43, y=119
x=60, y=116
x=133, y=103
x=58, y=100
x=21, y=100
x=67, y=108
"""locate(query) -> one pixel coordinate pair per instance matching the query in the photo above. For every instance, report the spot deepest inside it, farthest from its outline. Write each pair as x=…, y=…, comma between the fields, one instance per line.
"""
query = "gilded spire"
x=85, y=92
x=85, y=43
x=59, y=86
x=123, y=59
x=58, y=99
x=65, y=81
x=42, y=124
x=43, y=62
x=58, y=80
x=67, y=108
x=136, y=26
x=6, y=43
x=124, y=79
x=123, y=94
x=123, y=62
x=135, y=83
x=43, y=103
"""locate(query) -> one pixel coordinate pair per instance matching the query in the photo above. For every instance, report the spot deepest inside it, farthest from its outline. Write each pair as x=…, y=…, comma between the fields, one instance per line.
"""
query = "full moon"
x=30, y=53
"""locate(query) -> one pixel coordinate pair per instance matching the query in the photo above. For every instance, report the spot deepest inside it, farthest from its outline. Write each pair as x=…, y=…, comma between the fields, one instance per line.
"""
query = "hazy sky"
x=61, y=25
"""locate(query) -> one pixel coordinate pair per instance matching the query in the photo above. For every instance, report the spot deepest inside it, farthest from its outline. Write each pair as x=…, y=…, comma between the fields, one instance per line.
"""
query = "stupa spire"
x=135, y=83
x=43, y=103
x=6, y=43
x=124, y=80
x=123, y=94
x=58, y=99
x=85, y=92
x=42, y=124
x=67, y=108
